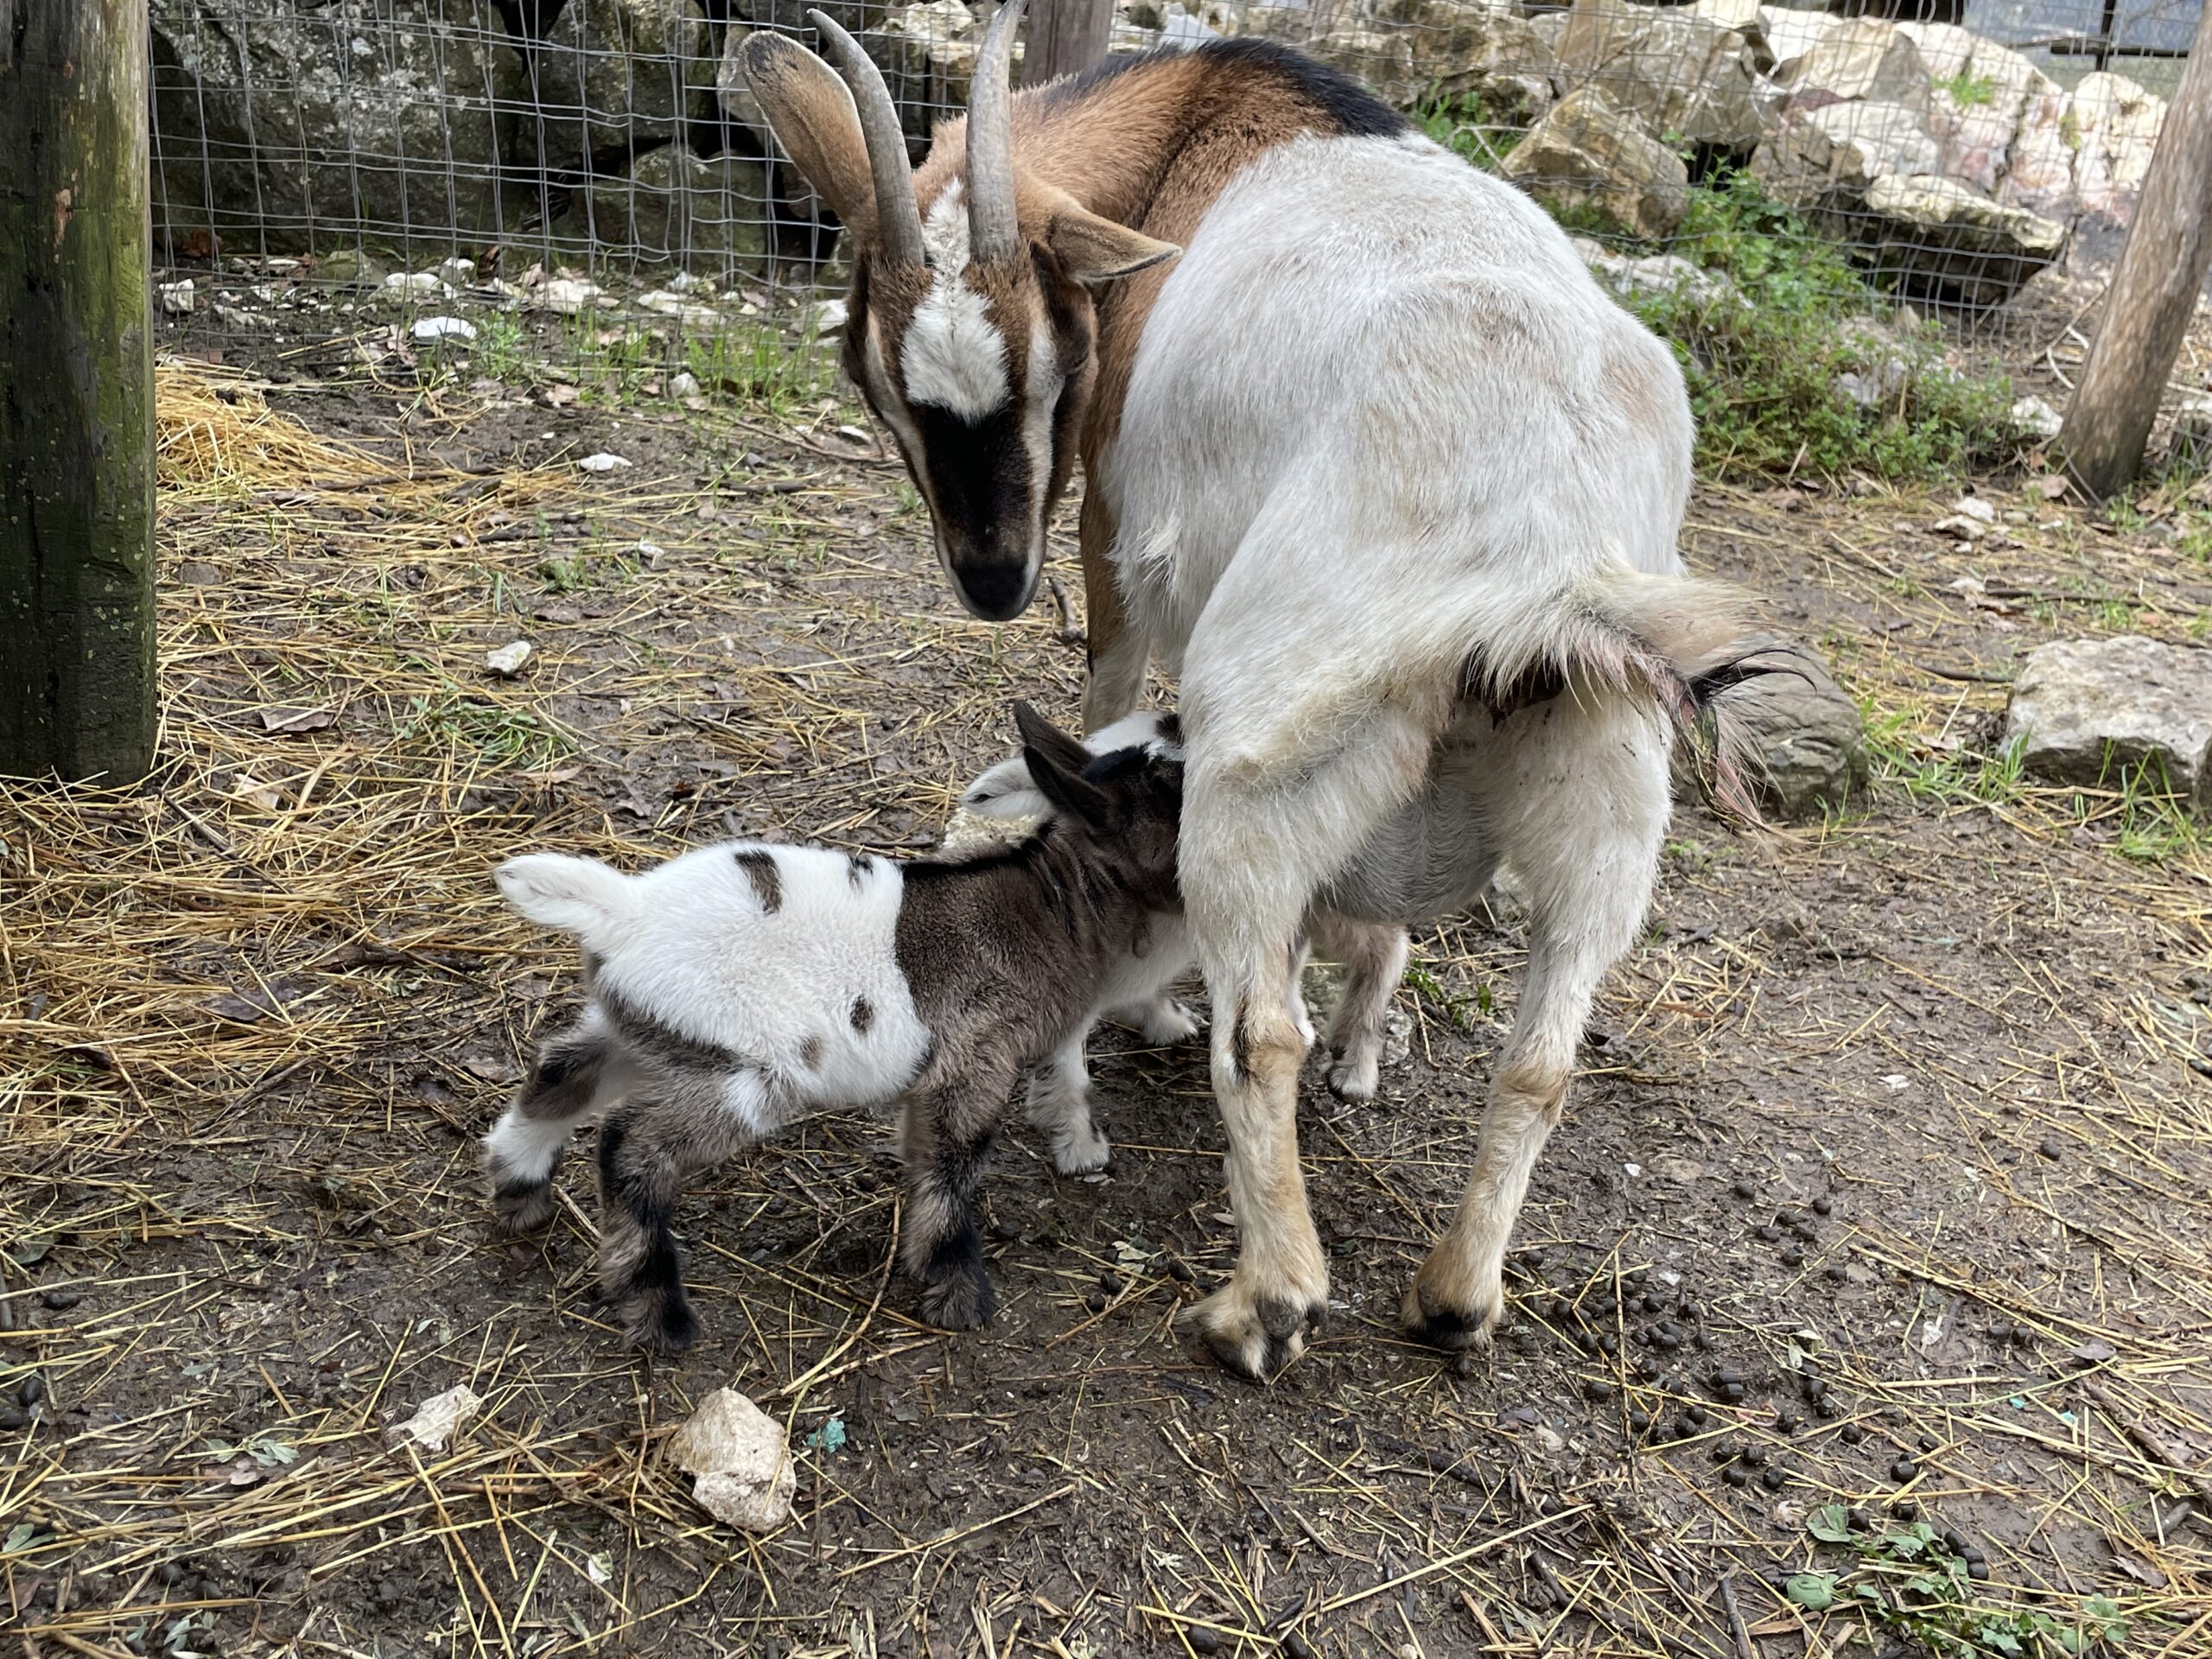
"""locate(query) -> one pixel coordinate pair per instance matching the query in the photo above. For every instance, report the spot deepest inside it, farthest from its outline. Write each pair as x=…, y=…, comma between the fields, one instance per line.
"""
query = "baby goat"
x=734, y=988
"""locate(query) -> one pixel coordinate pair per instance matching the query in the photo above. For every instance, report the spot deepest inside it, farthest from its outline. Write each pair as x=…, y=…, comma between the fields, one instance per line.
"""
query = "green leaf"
x=19, y=1537
x=1813, y=1591
x=830, y=1437
x=1831, y=1523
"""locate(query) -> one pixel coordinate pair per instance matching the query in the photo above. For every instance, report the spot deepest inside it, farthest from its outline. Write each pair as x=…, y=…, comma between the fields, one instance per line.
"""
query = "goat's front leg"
x=1118, y=654
x=1256, y=1324
x=524, y=1146
x=946, y=1128
x=645, y=1148
x=1374, y=959
x=1059, y=1104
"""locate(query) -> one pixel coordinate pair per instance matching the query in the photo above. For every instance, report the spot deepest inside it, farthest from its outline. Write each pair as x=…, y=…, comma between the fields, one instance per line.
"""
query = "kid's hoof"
x=522, y=1207
x=1354, y=1079
x=960, y=1302
x=668, y=1331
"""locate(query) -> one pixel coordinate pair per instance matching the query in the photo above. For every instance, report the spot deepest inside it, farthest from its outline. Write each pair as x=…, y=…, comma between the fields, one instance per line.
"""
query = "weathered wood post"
x=76, y=392
x=2162, y=268
x=1065, y=35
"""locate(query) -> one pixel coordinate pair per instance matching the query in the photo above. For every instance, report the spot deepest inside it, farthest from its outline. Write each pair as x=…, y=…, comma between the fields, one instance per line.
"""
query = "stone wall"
x=1952, y=161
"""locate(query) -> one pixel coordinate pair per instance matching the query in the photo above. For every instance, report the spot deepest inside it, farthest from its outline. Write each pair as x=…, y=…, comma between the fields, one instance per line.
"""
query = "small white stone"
x=603, y=463
x=507, y=661
x=740, y=1460
x=420, y=283
x=437, y=1420
x=176, y=297
x=1975, y=507
x=2036, y=418
x=827, y=317
x=457, y=272
x=683, y=383
x=429, y=330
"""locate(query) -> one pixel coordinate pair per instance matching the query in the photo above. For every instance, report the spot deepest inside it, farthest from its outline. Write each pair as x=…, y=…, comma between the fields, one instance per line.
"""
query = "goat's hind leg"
x=1059, y=1104
x=524, y=1146
x=1374, y=959
x=1580, y=801
x=646, y=1147
x=947, y=1125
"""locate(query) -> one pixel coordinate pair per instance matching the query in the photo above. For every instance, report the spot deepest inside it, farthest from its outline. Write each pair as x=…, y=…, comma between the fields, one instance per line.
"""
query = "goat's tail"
x=1677, y=642
x=578, y=895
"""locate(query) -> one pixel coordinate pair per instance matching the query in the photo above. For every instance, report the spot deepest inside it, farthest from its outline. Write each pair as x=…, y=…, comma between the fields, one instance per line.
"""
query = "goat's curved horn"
x=993, y=231
x=898, y=221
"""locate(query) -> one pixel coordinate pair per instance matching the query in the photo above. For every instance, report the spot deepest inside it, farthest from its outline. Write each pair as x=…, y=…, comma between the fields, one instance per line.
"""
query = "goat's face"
x=969, y=331
x=1128, y=800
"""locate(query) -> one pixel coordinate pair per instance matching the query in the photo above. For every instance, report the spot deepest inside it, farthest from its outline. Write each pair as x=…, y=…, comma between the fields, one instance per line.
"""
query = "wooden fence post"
x=76, y=392
x=2162, y=268
x=1065, y=36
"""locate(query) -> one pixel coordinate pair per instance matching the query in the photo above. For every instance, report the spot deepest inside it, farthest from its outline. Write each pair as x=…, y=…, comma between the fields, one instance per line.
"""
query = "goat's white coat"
x=951, y=356
x=1381, y=425
x=689, y=943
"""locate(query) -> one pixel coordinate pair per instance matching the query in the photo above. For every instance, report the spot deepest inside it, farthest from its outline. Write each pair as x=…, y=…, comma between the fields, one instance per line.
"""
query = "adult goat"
x=1374, y=465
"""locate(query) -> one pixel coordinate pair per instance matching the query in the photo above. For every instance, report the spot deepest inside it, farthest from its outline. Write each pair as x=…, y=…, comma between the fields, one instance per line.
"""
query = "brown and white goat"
x=1376, y=467
x=737, y=987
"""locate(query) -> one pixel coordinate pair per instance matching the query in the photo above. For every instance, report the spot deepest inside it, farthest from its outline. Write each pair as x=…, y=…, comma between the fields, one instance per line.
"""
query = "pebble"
x=1771, y=1233
x=1793, y=1257
x=1744, y=1190
x=1201, y=1639
x=2052, y=1147
x=1822, y=1207
x=1851, y=1435
x=1772, y=1477
x=1903, y=1469
x=33, y=1389
x=1836, y=1272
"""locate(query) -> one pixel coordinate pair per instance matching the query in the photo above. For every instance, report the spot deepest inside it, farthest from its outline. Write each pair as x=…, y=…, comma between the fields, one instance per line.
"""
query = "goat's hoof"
x=666, y=1330
x=1257, y=1337
x=521, y=1206
x=1168, y=1022
x=1085, y=1155
x=1354, y=1079
x=1431, y=1316
x=961, y=1301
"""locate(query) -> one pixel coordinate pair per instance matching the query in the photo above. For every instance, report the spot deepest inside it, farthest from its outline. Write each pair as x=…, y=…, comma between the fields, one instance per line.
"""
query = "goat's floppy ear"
x=1056, y=763
x=813, y=114
x=1095, y=250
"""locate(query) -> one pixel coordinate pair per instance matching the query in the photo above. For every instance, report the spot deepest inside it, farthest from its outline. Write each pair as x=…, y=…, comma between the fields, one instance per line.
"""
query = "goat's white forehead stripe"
x=951, y=356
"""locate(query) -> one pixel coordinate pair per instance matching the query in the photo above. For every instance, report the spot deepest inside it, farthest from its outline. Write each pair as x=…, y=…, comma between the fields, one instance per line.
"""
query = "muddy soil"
x=1882, y=1197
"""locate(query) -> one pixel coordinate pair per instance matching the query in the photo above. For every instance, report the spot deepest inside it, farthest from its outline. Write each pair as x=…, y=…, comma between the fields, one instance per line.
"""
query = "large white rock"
x=741, y=1462
x=1588, y=155
x=2085, y=709
x=614, y=77
x=1677, y=72
x=288, y=125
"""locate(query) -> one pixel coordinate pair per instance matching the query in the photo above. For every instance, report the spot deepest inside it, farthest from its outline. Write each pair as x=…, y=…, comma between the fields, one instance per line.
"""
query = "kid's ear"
x=1056, y=766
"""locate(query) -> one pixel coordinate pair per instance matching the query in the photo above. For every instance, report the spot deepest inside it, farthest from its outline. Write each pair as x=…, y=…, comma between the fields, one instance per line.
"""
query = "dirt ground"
x=1860, y=1306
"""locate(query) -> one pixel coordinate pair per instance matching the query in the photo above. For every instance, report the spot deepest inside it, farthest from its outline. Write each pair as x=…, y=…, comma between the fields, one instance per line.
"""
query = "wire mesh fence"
x=321, y=162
